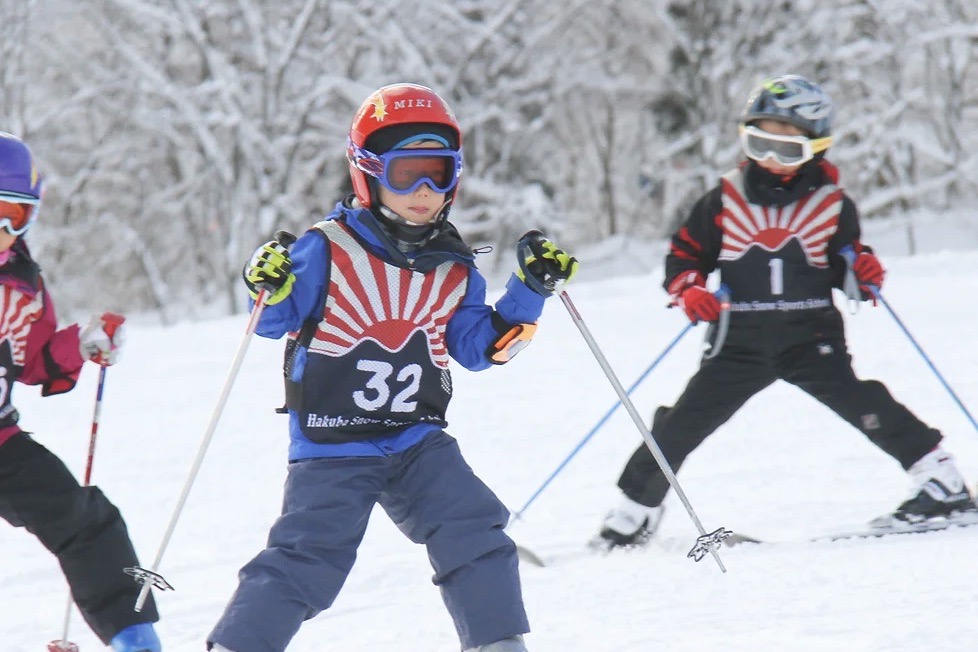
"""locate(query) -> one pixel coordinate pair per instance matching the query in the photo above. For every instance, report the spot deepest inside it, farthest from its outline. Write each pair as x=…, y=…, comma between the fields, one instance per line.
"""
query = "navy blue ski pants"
x=434, y=498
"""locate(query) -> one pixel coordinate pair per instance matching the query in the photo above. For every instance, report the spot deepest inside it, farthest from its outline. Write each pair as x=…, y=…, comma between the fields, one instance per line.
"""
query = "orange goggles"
x=17, y=214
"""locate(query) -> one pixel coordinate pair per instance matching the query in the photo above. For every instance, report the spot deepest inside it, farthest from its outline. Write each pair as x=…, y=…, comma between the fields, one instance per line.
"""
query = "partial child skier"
x=77, y=524
x=375, y=300
x=776, y=227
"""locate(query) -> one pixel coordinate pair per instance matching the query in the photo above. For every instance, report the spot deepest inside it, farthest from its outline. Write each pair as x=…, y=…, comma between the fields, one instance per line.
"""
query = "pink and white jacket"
x=32, y=349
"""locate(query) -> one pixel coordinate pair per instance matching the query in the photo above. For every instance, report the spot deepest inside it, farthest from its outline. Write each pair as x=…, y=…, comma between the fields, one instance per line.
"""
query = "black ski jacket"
x=777, y=244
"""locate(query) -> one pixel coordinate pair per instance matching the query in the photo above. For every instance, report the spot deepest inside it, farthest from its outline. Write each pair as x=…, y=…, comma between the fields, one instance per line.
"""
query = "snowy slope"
x=783, y=468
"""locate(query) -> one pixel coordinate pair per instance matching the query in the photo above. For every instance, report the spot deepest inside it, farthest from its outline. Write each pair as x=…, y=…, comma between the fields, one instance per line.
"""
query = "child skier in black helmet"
x=779, y=228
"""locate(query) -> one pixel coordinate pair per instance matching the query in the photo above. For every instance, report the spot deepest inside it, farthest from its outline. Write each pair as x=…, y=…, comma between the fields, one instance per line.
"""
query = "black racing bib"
x=378, y=360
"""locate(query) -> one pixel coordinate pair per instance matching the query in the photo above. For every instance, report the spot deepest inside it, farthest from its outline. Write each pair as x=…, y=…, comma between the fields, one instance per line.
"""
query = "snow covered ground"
x=784, y=469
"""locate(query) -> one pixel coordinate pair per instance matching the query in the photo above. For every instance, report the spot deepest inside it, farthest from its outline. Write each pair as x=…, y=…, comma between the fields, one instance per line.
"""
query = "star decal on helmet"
x=380, y=108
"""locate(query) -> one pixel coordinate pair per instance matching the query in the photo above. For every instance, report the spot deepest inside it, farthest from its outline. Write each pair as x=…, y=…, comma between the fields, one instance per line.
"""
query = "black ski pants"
x=80, y=527
x=806, y=349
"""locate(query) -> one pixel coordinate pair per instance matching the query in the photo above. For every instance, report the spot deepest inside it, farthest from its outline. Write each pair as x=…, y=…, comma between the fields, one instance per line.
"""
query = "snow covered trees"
x=168, y=126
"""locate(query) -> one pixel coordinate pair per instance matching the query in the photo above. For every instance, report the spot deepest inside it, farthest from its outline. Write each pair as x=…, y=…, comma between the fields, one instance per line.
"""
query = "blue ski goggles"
x=786, y=150
x=402, y=171
x=17, y=212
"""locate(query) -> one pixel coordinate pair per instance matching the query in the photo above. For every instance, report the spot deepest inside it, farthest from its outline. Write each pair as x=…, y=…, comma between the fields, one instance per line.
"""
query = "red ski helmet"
x=389, y=117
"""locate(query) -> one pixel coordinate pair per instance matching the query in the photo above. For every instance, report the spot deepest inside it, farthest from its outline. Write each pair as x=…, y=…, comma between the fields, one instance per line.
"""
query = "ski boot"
x=940, y=493
x=136, y=638
x=630, y=525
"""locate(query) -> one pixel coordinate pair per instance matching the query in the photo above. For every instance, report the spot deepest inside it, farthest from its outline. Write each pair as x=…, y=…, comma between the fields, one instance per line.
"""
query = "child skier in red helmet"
x=376, y=298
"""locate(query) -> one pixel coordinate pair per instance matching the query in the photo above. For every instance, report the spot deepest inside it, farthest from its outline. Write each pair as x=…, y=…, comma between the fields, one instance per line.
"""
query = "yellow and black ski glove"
x=542, y=264
x=270, y=269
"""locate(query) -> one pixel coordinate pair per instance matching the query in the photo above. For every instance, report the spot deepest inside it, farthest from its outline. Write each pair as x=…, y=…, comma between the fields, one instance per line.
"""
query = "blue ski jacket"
x=470, y=331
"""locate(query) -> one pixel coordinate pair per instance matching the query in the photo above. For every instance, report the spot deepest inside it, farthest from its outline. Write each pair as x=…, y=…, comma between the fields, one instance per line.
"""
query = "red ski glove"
x=868, y=271
x=699, y=304
x=688, y=291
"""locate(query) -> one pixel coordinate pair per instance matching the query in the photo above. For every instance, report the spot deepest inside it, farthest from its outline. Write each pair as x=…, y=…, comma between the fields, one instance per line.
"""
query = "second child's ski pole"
x=707, y=542
x=150, y=578
x=113, y=323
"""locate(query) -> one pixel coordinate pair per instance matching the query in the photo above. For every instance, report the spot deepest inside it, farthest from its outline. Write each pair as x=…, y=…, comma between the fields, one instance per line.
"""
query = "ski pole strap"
x=531, y=246
x=707, y=543
x=293, y=389
x=850, y=284
x=716, y=333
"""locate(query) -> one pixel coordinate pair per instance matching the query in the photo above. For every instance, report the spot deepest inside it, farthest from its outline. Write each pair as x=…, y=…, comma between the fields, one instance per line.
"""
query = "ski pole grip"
x=285, y=238
x=723, y=296
x=850, y=284
x=113, y=322
x=716, y=334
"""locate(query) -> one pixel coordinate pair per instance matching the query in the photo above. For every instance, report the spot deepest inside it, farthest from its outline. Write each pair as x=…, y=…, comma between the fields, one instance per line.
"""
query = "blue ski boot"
x=136, y=638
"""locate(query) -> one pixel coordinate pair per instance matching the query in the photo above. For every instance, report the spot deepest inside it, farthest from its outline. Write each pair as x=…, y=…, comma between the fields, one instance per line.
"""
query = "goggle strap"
x=17, y=198
x=821, y=144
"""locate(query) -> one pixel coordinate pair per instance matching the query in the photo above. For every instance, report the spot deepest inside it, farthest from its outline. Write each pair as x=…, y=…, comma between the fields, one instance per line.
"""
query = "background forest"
x=176, y=135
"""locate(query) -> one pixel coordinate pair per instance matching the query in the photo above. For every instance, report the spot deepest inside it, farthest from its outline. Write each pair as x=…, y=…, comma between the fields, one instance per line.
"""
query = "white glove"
x=101, y=340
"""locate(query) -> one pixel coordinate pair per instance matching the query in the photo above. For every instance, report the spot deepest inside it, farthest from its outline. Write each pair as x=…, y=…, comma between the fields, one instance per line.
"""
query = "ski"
x=673, y=544
x=62, y=646
x=575, y=551
x=530, y=557
x=868, y=533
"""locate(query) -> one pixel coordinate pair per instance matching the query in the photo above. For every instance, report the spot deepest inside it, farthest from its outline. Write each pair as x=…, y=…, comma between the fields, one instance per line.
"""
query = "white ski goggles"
x=761, y=145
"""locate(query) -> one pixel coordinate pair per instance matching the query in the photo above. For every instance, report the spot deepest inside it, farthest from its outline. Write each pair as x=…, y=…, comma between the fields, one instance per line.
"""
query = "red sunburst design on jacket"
x=17, y=312
x=370, y=300
x=811, y=220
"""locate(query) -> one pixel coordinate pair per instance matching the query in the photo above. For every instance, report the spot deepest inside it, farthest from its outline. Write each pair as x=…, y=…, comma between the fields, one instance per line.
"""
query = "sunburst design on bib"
x=811, y=221
x=371, y=300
